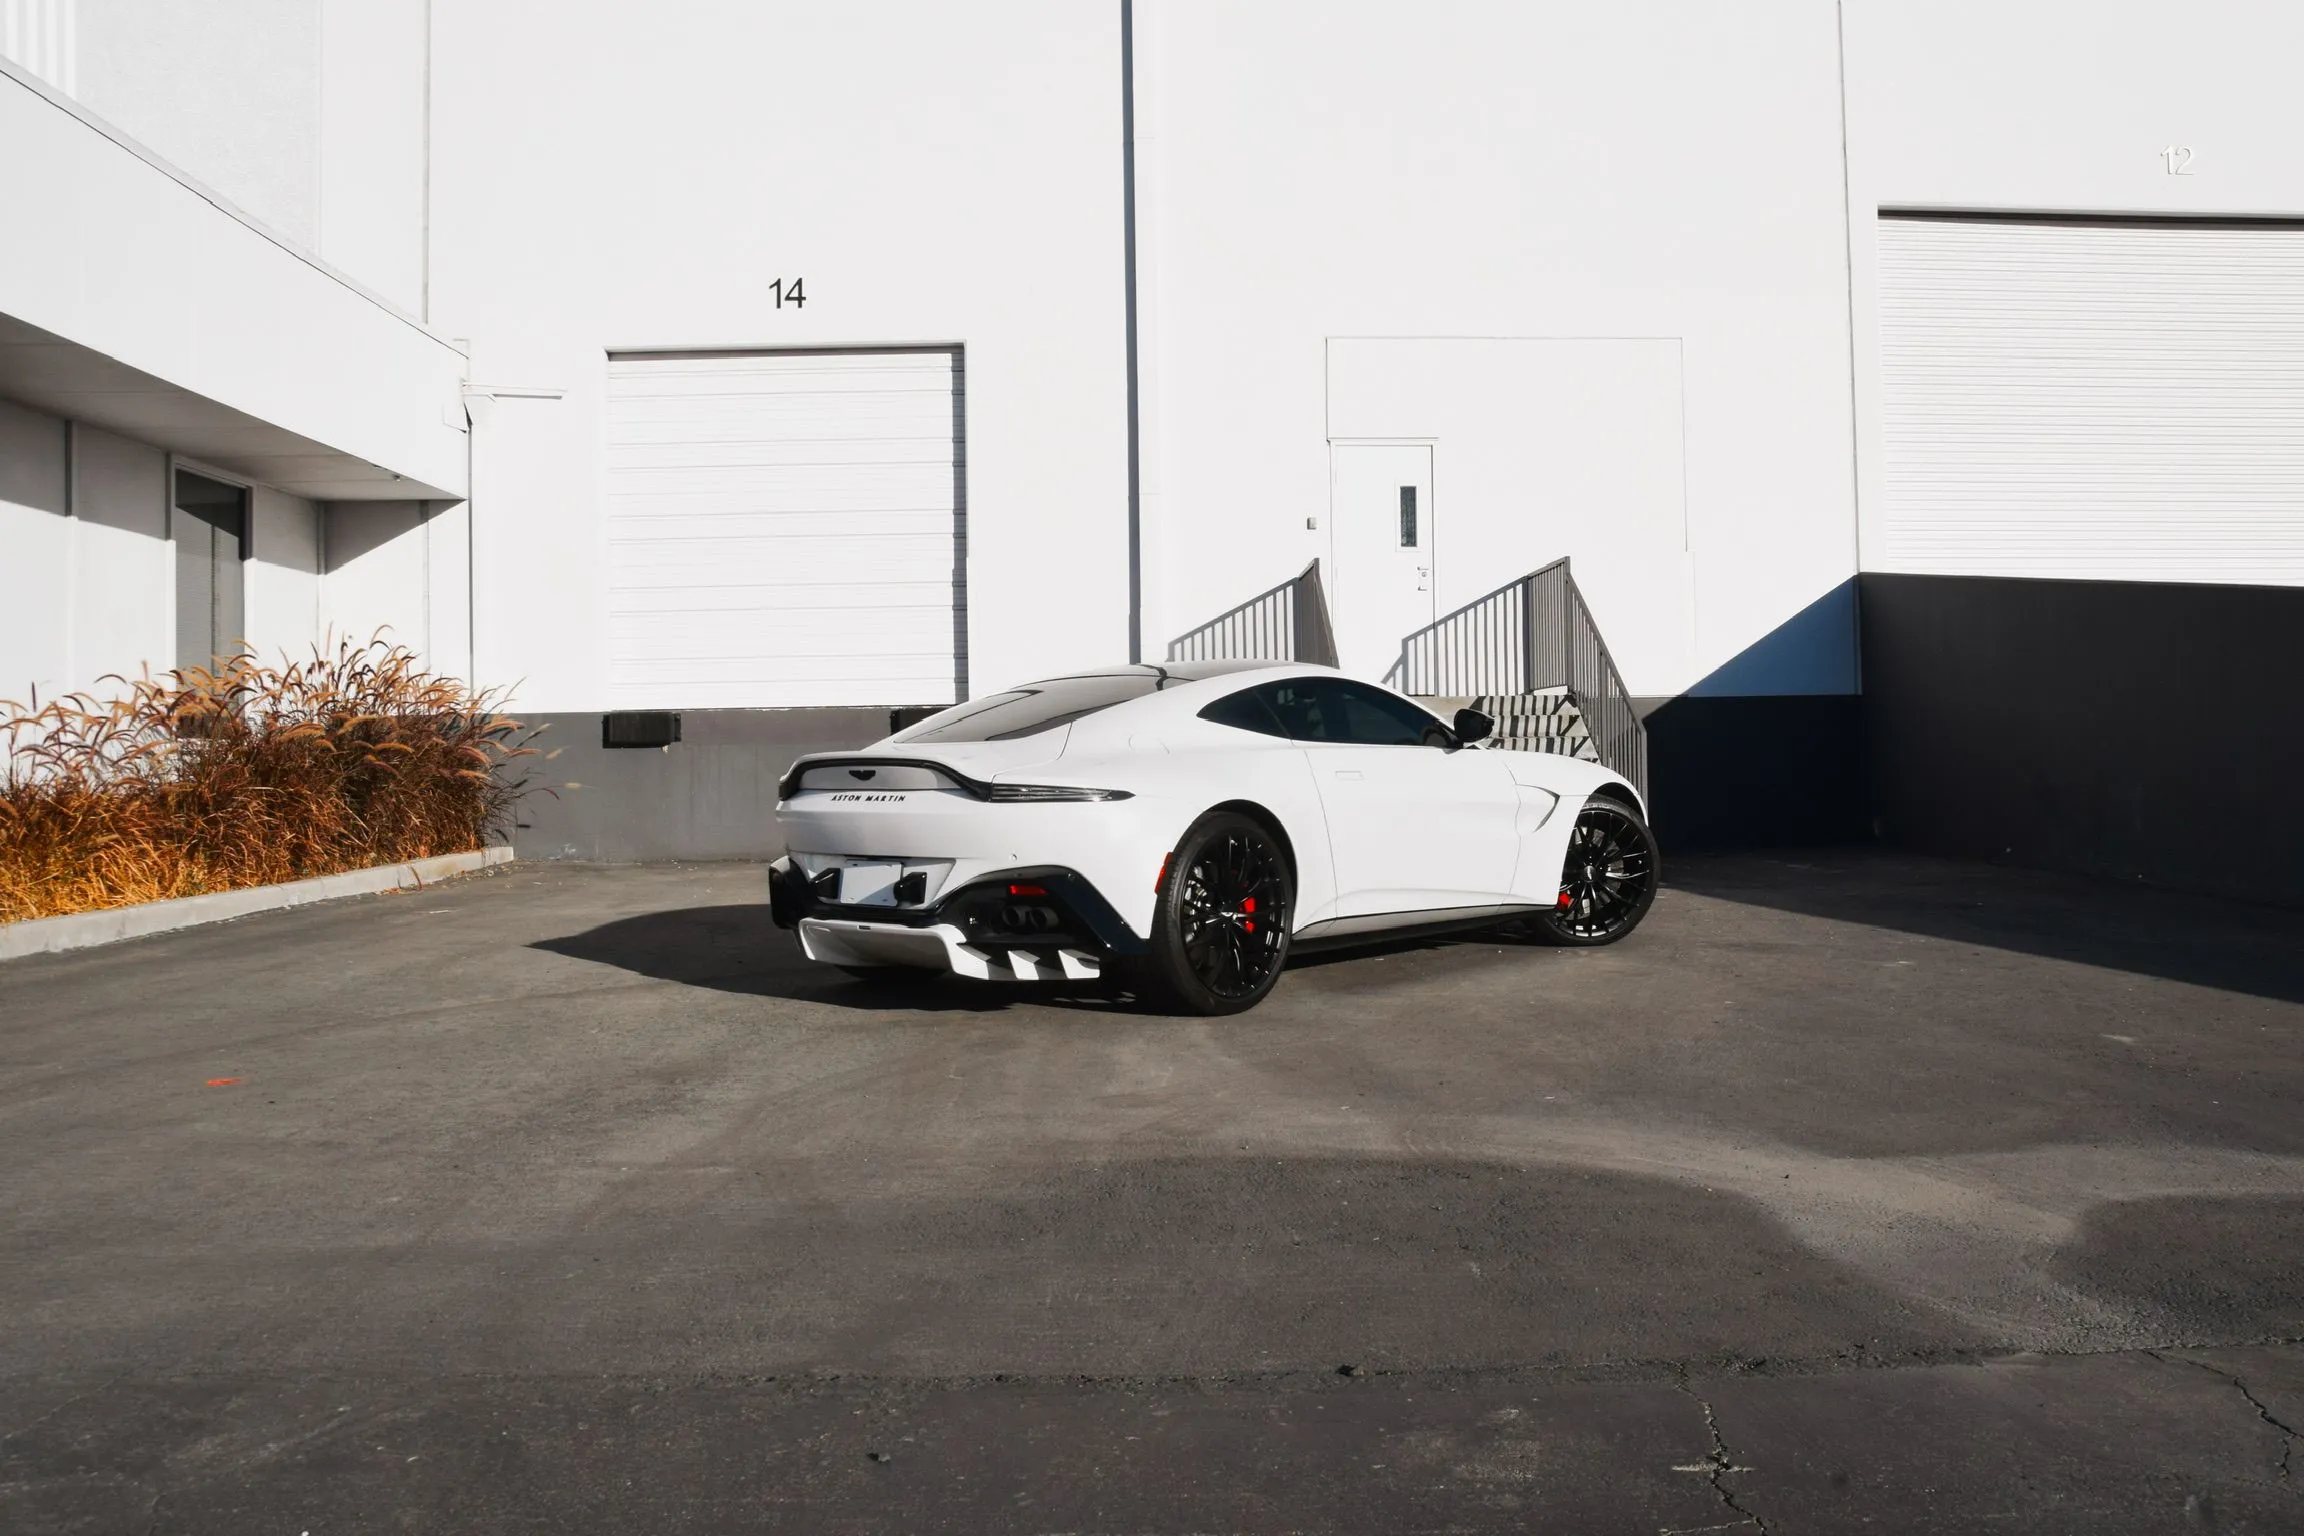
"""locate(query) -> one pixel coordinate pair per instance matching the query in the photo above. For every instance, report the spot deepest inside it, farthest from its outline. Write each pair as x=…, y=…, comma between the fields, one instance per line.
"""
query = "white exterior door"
x=785, y=529
x=1381, y=543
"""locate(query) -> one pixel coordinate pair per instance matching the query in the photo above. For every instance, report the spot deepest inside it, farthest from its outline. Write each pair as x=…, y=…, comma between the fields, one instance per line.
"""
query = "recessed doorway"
x=210, y=527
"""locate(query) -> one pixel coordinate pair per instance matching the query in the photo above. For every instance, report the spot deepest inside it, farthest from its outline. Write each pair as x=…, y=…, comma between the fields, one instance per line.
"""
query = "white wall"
x=397, y=569
x=113, y=254
x=306, y=115
x=228, y=93
x=374, y=60
x=124, y=571
x=2067, y=110
x=935, y=173
x=36, y=555
x=283, y=610
x=447, y=589
x=1665, y=171
x=1544, y=449
x=84, y=540
x=41, y=36
x=375, y=571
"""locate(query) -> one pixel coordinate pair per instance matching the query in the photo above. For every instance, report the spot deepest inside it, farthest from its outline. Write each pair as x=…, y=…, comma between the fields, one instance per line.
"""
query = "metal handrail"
x=1287, y=623
x=1526, y=636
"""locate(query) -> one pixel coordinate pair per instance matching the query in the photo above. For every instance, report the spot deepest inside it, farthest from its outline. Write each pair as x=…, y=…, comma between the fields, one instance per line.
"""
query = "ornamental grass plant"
x=206, y=781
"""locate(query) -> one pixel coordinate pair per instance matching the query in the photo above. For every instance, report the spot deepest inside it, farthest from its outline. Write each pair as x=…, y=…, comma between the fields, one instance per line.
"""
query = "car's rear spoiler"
x=789, y=785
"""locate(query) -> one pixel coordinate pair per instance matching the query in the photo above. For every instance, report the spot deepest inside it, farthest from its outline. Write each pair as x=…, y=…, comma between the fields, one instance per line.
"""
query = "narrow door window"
x=1407, y=517
x=211, y=532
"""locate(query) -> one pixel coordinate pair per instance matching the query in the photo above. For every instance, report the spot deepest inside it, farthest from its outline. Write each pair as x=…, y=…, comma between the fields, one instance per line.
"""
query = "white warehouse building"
x=1914, y=387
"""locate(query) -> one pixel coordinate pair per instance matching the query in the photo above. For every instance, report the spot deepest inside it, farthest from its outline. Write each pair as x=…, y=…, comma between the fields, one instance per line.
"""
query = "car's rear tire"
x=1608, y=880
x=1220, y=930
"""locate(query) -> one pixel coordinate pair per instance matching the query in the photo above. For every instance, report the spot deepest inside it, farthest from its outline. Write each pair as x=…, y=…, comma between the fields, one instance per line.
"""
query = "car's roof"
x=1182, y=671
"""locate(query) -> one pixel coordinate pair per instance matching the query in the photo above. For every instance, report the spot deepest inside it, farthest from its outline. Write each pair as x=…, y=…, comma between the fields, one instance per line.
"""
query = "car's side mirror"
x=1472, y=726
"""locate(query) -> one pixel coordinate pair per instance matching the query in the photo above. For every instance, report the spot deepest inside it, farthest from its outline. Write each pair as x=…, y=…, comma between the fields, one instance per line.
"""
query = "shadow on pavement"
x=738, y=948
x=2201, y=940
x=2220, y=1266
x=1199, y=1264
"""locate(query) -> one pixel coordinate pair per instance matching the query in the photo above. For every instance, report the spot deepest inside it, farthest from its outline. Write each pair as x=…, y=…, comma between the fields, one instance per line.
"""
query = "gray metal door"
x=210, y=527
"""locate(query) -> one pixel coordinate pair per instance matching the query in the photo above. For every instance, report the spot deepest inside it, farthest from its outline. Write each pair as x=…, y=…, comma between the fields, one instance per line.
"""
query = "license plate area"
x=868, y=883
x=875, y=880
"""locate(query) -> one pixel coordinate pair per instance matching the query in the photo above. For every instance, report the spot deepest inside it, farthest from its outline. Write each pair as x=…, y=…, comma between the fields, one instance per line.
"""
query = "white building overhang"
x=133, y=299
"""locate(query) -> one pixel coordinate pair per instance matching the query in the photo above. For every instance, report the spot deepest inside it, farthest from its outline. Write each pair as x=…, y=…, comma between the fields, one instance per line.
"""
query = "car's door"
x=1412, y=823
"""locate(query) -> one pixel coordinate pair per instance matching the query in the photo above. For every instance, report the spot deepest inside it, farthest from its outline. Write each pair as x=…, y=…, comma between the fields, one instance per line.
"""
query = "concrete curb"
x=79, y=930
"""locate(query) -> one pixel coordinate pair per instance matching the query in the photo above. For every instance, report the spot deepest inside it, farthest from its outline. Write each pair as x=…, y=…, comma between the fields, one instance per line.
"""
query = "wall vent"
x=639, y=728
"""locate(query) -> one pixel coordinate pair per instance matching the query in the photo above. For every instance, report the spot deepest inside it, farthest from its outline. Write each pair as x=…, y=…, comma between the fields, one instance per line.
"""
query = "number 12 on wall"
x=789, y=293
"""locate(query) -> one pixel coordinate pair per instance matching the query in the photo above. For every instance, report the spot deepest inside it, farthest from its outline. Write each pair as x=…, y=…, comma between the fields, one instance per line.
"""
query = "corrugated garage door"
x=2093, y=399
x=785, y=529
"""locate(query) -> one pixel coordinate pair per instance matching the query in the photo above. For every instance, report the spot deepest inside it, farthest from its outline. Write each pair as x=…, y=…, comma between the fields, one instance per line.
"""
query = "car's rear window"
x=1030, y=710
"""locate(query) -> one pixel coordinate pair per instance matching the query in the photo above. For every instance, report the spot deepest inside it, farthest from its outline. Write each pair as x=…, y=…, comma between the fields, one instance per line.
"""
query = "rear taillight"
x=1052, y=794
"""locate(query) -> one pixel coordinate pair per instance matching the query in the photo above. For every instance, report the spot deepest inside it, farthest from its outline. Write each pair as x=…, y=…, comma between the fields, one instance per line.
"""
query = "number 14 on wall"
x=793, y=294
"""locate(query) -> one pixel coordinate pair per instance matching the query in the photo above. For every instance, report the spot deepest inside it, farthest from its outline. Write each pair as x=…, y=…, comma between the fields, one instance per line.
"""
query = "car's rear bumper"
x=1115, y=845
x=1042, y=923
x=941, y=946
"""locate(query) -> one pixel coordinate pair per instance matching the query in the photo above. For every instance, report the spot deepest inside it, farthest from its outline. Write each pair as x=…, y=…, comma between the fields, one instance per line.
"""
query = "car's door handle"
x=1348, y=773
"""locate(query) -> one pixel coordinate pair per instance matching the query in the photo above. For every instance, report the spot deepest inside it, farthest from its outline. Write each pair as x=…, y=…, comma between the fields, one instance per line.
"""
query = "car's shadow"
x=737, y=948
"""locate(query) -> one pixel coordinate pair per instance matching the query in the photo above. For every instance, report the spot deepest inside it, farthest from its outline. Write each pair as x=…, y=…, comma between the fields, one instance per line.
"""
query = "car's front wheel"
x=1609, y=879
x=1220, y=931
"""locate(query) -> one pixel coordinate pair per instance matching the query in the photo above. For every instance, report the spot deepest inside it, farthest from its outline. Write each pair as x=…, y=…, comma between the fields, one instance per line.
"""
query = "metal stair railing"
x=1527, y=636
x=1287, y=623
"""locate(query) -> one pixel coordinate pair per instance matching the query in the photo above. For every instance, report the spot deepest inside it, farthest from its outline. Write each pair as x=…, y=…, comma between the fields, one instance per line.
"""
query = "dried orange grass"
x=208, y=781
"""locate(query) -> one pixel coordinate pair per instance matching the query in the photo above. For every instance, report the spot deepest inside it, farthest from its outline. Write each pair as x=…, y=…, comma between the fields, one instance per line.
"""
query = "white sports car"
x=1186, y=827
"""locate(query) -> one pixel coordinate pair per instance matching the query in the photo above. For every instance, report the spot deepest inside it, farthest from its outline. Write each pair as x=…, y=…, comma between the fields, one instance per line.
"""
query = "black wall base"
x=711, y=796
x=2141, y=731
x=1766, y=771
x=1724, y=773
x=2138, y=730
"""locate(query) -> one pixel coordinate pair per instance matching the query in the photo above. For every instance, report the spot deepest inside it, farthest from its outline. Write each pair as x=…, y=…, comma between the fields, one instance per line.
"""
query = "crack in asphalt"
x=1717, y=1464
x=2289, y=1434
x=37, y=1420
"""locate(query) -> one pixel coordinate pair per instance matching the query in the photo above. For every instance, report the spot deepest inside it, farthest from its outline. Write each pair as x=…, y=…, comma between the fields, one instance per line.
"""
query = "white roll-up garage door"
x=785, y=529
x=2093, y=399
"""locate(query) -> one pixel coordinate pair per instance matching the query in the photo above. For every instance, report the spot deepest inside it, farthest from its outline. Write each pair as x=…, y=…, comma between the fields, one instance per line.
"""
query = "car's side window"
x=1375, y=718
x=1335, y=709
x=1299, y=707
x=1247, y=711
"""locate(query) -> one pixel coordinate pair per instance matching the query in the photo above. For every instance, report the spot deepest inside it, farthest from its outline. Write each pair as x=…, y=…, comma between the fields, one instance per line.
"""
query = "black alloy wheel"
x=1220, y=932
x=1608, y=880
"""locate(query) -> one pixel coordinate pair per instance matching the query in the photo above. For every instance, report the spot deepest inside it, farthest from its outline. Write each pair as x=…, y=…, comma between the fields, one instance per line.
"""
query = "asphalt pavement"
x=1854, y=1192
